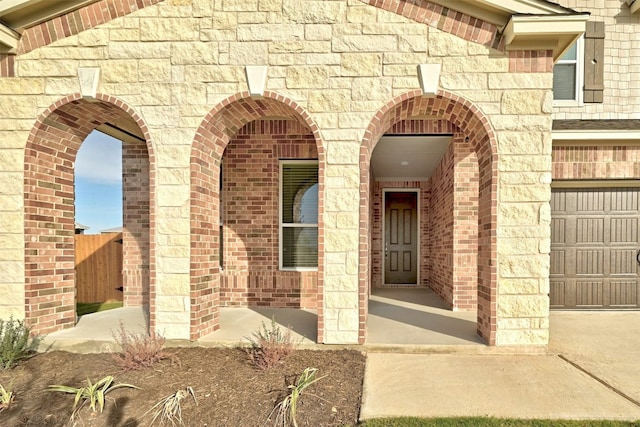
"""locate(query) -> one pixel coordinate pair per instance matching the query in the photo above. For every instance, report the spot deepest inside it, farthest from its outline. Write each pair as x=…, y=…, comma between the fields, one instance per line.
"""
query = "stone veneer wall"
x=344, y=68
x=250, y=197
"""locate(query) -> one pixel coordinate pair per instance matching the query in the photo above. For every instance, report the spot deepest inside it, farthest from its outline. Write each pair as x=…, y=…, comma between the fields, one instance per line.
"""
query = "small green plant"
x=94, y=393
x=6, y=397
x=287, y=409
x=139, y=350
x=270, y=346
x=169, y=409
x=16, y=342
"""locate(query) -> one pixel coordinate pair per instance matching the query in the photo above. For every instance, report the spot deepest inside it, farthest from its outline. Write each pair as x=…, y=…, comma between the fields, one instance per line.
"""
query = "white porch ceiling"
x=408, y=157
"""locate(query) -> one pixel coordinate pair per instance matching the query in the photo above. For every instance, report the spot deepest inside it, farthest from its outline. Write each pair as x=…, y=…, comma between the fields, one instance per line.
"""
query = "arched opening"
x=256, y=216
x=455, y=183
x=50, y=157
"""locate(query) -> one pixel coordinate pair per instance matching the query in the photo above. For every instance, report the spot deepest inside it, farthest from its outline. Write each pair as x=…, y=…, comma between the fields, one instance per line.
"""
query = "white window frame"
x=579, y=61
x=282, y=225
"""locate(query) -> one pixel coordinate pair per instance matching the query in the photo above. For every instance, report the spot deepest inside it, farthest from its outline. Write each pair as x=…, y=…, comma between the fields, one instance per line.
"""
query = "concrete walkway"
x=590, y=371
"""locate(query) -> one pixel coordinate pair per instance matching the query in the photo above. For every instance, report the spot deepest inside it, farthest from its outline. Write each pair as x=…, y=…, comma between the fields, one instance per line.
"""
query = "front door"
x=401, y=238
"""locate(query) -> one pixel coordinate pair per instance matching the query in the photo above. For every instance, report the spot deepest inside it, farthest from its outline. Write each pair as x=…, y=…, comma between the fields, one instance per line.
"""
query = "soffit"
x=18, y=15
x=408, y=157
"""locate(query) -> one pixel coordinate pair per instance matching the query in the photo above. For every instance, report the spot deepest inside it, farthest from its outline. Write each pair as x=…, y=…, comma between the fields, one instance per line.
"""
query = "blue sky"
x=98, y=180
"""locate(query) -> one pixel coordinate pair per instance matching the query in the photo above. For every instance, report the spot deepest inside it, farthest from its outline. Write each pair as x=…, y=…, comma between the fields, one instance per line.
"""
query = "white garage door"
x=594, y=248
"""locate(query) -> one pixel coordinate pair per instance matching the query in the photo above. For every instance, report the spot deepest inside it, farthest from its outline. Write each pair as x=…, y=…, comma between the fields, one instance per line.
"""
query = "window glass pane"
x=299, y=247
x=564, y=81
x=299, y=194
x=570, y=54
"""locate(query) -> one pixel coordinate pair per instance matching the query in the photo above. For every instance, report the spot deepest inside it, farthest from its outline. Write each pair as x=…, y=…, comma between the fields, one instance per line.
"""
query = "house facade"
x=288, y=153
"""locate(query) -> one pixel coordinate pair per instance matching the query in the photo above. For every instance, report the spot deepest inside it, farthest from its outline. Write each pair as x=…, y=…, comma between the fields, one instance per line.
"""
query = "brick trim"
x=448, y=20
x=530, y=61
x=476, y=126
x=223, y=122
x=77, y=21
x=7, y=65
x=50, y=155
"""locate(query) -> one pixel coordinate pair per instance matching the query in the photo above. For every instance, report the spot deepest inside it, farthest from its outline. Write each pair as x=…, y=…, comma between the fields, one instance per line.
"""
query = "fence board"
x=98, y=267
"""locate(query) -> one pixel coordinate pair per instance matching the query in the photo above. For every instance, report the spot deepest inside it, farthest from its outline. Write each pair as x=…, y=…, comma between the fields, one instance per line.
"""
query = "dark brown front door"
x=400, y=240
x=594, y=248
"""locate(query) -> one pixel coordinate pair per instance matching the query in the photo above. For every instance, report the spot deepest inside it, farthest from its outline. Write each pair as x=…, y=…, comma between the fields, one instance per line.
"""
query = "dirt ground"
x=230, y=391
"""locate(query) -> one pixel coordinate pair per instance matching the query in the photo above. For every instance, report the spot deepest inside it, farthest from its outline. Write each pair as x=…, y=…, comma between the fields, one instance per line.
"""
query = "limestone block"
x=202, y=8
x=173, y=284
x=522, y=232
x=371, y=88
x=361, y=64
x=285, y=59
x=522, y=102
x=523, y=306
x=518, y=323
x=475, y=64
x=94, y=37
x=337, y=270
x=353, y=260
x=460, y=81
x=188, y=94
x=172, y=226
x=47, y=67
x=544, y=246
x=270, y=5
x=12, y=241
x=525, y=163
x=524, y=266
x=404, y=58
x=171, y=331
x=124, y=34
x=348, y=320
x=173, y=156
x=61, y=86
x=340, y=283
x=173, y=195
x=154, y=70
x=341, y=299
x=329, y=100
x=354, y=120
x=176, y=318
x=12, y=183
x=511, y=178
x=410, y=43
x=169, y=29
x=323, y=59
x=346, y=29
x=21, y=86
x=342, y=200
x=307, y=77
x=269, y=32
x=545, y=213
x=12, y=271
x=217, y=36
x=160, y=116
x=520, y=142
x=447, y=45
x=517, y=286
x=11, y=254
x=173, y=265
x=9, y=203
x=365, y=43
x=317, y=32
x=547, y=102
x=340, y=337
x=153, y=93
x=520, y=81
x=255, y=53
x=361, y=15
x=518, y=246
x=119, y=71
x=535, y=337
x=347, y=220
x=390, y=28
x=69, y=53
x=340, y=152
x=525, y=193
x=314, y=12
x=341, y=240
x=9, y=311
x=518, y=213
x=11, y=223
x=404, y=83
x=240, y=5
x=11, y=159
x=137, y=50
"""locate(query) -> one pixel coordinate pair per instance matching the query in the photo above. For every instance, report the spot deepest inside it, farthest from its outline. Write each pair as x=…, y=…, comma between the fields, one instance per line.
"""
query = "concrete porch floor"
x=400, y=319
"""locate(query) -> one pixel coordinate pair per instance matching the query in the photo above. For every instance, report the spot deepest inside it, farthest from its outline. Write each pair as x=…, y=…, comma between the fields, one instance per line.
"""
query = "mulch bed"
x=230, y=391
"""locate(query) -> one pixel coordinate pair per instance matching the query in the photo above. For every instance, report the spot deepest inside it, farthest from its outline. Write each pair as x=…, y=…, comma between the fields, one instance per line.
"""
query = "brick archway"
x=223, y=122
x=461, y=113
x=50, y=155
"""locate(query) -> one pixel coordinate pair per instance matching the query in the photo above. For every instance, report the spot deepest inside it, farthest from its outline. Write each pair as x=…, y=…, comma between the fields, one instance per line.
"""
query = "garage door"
x=594, y=245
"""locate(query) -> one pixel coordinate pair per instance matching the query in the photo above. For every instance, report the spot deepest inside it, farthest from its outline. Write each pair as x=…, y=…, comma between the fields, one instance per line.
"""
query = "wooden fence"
x=98, y=267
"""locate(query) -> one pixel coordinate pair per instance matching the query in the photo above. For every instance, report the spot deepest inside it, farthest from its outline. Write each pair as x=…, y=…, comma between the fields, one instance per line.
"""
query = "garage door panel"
x=623, y=293
x=594, y=239
x=624, y=230
x=589, y=293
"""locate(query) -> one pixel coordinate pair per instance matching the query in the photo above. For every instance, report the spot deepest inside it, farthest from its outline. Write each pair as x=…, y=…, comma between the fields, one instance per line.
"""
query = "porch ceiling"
x=408, y=157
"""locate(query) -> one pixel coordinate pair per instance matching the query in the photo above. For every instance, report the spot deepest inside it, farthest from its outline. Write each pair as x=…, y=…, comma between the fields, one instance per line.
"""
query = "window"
x=298, y=214
x=567, y=75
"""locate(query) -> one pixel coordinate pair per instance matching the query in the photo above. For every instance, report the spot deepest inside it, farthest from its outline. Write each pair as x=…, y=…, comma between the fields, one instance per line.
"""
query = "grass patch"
x=83, y=308
x=490, y=422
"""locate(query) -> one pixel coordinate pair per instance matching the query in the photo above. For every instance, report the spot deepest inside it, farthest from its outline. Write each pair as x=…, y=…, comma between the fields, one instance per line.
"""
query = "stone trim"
x=475, y=125
x=50, y=154
x=77, y=21
x=448, y=20
x=224, y=122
